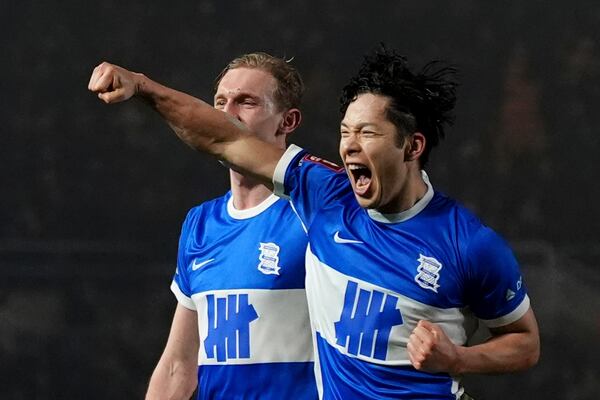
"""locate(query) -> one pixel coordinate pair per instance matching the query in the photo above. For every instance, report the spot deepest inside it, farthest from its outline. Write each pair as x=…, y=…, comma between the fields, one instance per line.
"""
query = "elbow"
x=529, y=342
x=533, y=357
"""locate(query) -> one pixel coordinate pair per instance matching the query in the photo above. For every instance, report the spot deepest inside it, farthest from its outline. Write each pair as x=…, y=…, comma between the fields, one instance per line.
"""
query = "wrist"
x=141, y=84
x=458, y=366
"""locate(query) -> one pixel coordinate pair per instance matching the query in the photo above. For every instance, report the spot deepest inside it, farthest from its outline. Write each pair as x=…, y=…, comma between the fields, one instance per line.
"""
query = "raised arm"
x=195, y=122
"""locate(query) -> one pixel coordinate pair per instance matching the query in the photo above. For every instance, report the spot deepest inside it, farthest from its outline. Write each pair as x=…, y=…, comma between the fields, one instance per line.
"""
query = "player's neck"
x=413, y=190
x=247, y=192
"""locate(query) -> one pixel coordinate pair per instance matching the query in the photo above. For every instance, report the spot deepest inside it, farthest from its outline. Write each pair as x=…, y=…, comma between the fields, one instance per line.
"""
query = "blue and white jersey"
x=370, y=278
x=242, y=271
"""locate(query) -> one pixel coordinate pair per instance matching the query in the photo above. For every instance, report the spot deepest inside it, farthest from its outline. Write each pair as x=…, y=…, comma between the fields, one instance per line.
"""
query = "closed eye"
x=248, y=101
x=220, y=103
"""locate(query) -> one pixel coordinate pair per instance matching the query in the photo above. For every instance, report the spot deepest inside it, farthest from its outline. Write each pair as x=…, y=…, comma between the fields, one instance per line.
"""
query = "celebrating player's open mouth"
x=365, y=180
x=361, y=178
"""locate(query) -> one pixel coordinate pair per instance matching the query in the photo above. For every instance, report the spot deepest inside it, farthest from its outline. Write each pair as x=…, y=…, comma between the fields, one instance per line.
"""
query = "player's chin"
x=365, y=200
x=369, y=197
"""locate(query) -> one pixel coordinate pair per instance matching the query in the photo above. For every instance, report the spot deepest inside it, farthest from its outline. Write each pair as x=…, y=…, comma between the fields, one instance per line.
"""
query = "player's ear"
x=415, y=145
x=290, y=121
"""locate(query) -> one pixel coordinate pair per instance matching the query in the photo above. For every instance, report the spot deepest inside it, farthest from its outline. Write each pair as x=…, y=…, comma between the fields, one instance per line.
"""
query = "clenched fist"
x=430, y=349
x=113, y=83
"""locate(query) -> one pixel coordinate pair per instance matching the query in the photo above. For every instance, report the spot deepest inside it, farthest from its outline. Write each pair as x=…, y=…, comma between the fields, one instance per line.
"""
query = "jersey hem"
x=182, y=298
x=510, y=317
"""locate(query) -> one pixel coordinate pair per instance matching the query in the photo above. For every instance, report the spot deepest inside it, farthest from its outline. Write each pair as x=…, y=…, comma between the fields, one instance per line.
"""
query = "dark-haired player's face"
x=248, y=95
x=373, y=160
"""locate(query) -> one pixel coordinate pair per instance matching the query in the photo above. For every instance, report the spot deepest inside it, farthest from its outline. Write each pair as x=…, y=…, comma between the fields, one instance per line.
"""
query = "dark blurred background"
x=92, y=196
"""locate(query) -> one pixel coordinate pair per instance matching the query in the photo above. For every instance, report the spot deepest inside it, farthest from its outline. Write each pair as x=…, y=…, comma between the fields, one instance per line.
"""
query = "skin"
x=368, y=140
x=246, y=95
x=175, y=374
x=513, y=347
x=195, y=122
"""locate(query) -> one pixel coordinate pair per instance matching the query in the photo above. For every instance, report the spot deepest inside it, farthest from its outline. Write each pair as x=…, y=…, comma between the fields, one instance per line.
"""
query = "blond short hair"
x=290, y=87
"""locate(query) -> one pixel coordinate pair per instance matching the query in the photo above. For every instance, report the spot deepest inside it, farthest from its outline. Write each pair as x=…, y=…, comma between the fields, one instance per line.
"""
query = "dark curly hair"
x=419, y=102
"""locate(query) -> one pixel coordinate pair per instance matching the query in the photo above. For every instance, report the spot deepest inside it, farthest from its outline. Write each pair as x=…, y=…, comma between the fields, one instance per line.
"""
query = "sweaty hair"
x=290, y=88
x=419, y=102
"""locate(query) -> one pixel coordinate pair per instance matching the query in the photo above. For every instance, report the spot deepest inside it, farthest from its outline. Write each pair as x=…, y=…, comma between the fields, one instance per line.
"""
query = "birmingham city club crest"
x=428, y=273
x=269, y=259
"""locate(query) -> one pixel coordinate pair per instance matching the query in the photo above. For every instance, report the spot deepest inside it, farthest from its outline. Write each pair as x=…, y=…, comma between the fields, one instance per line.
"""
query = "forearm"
x=172, y=379
x=513, y=347
x=208, y=130
x=509, y=352
x=195, y=122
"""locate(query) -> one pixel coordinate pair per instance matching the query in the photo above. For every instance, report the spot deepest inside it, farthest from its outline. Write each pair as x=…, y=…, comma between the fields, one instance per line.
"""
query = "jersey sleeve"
x=180, y=286
x=308, y=181
x=495, y=289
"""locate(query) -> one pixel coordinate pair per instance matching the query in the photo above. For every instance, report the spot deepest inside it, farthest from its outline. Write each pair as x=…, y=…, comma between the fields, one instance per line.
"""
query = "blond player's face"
x=248, y=95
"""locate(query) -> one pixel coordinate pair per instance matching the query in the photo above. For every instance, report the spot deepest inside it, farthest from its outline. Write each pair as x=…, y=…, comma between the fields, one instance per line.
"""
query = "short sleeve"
x=180, y=286
x=308, y=181
x=495, y=290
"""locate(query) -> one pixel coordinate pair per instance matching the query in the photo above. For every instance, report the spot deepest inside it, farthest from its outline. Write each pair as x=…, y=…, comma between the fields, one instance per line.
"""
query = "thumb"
x=111, y=97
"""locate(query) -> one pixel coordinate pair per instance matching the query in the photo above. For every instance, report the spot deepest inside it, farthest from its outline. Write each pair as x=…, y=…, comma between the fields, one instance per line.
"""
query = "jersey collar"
x=250, y=212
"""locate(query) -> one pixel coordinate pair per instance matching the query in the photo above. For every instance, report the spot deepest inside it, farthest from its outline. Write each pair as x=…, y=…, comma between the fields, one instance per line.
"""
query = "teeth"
x=354, y=167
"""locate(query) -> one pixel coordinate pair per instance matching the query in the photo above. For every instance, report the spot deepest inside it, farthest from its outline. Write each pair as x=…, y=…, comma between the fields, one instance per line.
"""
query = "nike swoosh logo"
x=196, y=265
x=338, y=239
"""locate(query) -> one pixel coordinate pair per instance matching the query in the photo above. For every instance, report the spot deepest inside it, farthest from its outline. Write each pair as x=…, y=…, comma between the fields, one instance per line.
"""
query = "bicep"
x=526, y=324
x=251, y=156
x=513, y=347
x=520, y=338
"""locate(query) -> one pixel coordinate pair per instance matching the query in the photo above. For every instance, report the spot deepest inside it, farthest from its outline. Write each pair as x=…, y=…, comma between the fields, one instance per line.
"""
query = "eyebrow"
x=360, y=125
x=236, y=93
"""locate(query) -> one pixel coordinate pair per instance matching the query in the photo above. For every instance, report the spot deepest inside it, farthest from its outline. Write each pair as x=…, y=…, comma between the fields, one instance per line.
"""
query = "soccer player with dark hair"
x=398, y=274
x=241, y=327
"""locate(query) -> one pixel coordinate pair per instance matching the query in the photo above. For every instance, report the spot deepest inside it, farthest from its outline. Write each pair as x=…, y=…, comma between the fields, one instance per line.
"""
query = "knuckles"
x=106, y=65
